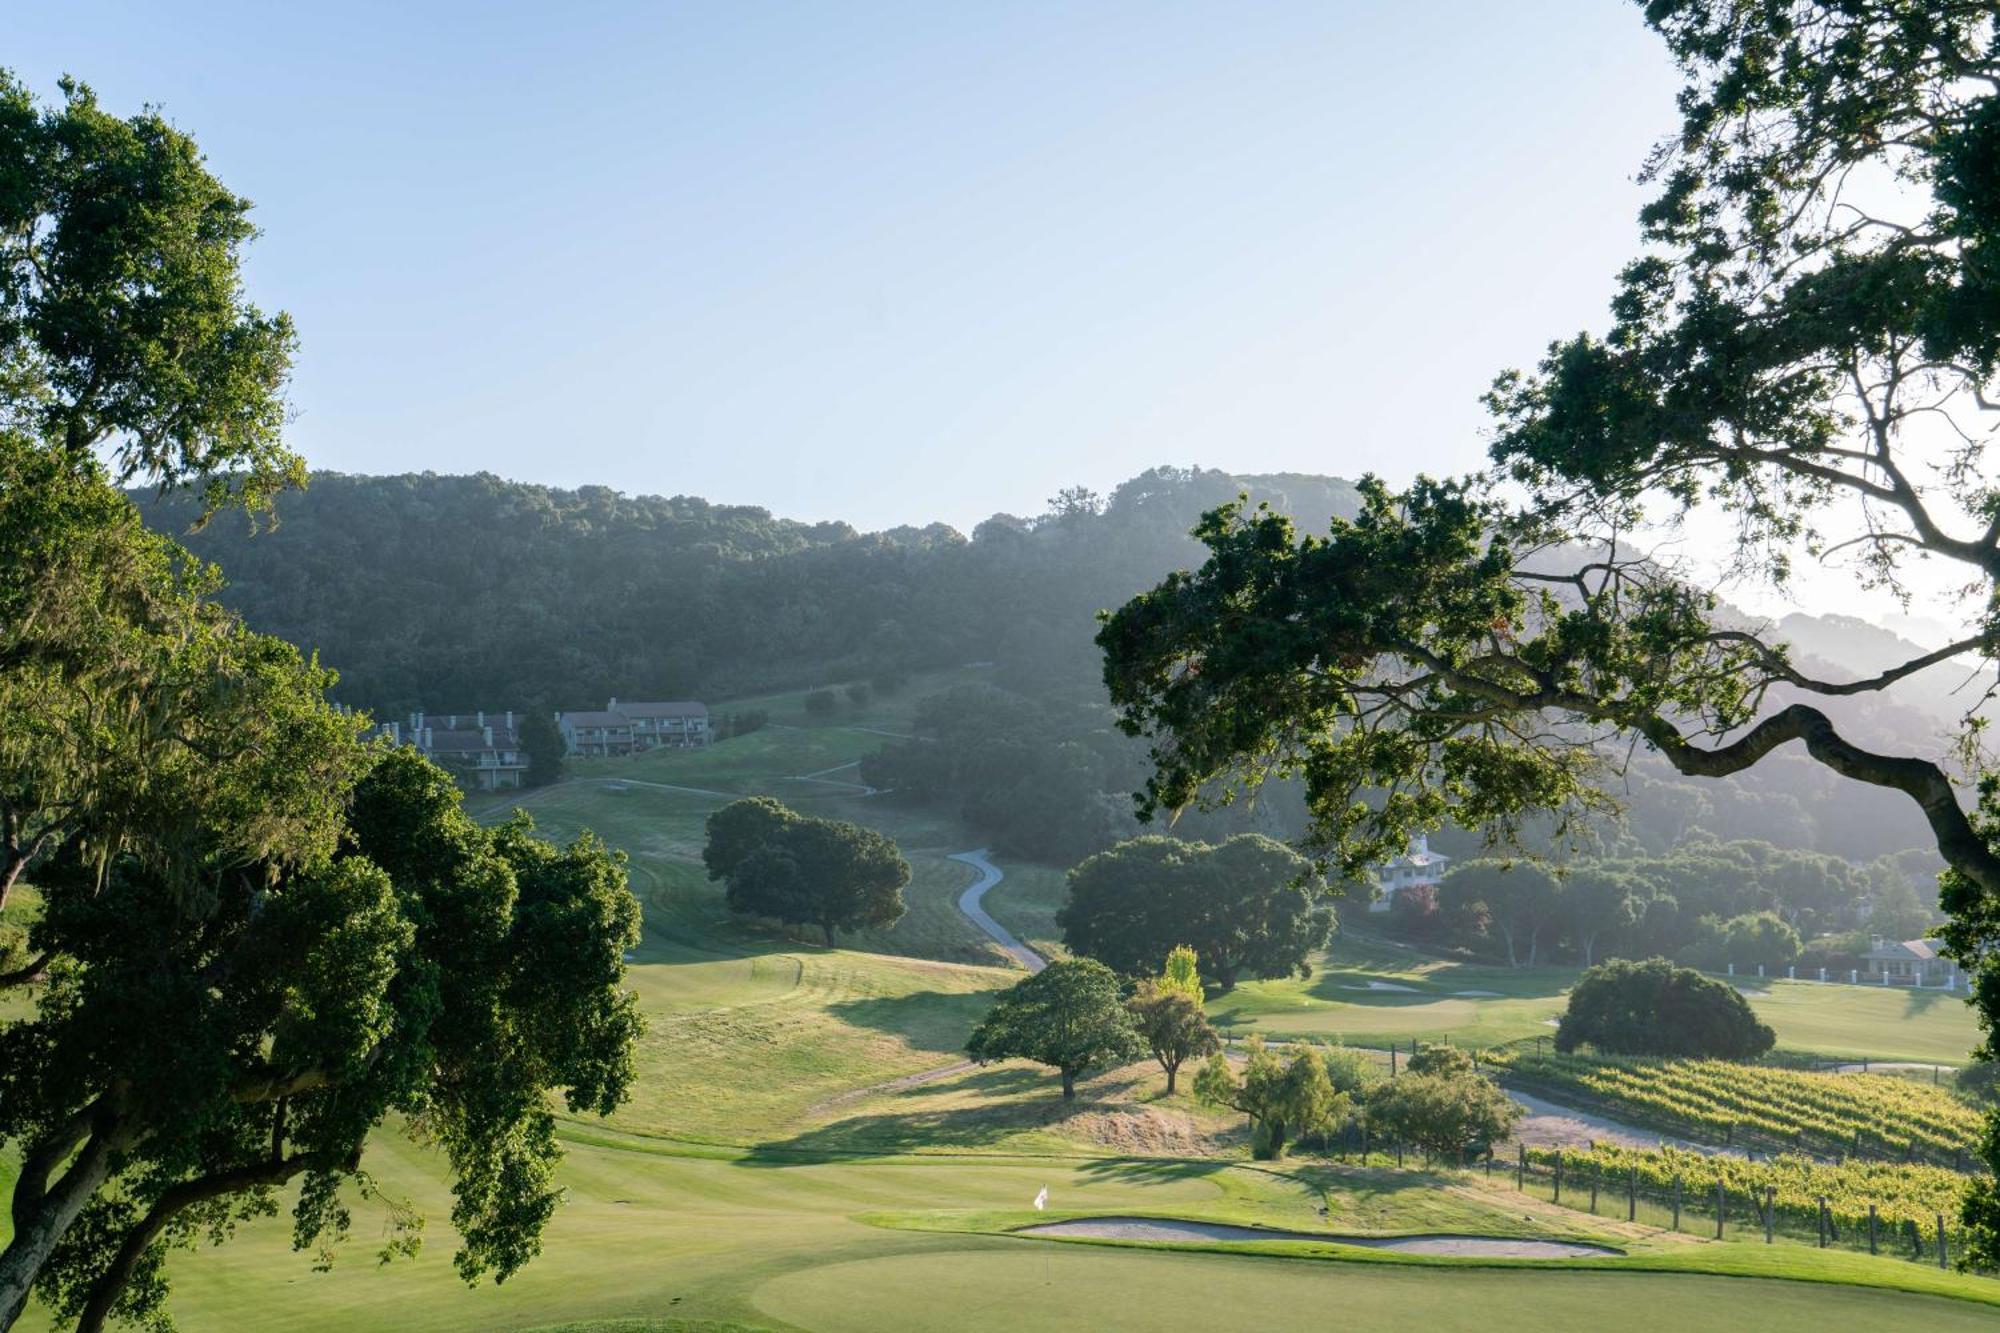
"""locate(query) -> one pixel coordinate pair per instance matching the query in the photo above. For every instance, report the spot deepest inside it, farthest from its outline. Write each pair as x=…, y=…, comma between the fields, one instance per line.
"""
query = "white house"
x=1419, y=865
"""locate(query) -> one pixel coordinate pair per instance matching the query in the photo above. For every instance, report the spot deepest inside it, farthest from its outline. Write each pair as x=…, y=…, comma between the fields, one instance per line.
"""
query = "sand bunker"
x=1386, y=985
x=1169, y=1229
x=1479, y=994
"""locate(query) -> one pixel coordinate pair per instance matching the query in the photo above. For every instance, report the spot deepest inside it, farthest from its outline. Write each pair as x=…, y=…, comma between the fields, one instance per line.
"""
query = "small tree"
x=858, y=694
x=1183, y=974
x=1283, y=1101
x=1445, y=1108
x=1173, y=1027
x=804, y=871
x=542, y=742
x=1656, y=1008
x=1068, y=1016
x=1446, y=1061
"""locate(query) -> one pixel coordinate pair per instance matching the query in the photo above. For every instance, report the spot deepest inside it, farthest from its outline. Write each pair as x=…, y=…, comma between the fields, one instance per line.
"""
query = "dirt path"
x=663, y=786
x=1892, y=1066
x=969, y=903
x=1548, y=1125
x=821, y=777
x=915, y=1080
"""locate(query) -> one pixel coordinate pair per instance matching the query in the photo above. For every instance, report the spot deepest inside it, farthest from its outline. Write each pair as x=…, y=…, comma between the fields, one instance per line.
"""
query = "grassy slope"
x=781, y=1046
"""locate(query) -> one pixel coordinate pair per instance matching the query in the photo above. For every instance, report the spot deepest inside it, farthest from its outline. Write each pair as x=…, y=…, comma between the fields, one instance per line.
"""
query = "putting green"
x=1060, y=1286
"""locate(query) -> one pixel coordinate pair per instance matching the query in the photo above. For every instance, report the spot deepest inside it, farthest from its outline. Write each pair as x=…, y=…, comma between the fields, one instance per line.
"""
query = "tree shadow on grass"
x=1923, y=1001
x=1151, y=1170
x=937, y=1021
x=1011, y=1099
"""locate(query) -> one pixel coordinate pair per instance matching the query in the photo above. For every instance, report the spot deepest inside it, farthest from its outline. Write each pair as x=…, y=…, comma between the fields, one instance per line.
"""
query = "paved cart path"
x=969, y=903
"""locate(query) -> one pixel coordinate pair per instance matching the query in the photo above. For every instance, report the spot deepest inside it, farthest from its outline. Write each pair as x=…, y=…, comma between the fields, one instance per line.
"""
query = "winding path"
x=969, y=903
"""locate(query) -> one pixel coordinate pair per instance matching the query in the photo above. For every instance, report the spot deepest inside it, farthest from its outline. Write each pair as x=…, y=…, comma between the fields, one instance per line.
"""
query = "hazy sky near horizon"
x=895, y=263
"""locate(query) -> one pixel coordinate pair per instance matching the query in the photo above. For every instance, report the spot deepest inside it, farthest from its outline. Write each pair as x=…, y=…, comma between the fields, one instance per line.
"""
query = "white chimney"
x=488, y=731
x=510, y=719
x=479, y=719
x=611, y=707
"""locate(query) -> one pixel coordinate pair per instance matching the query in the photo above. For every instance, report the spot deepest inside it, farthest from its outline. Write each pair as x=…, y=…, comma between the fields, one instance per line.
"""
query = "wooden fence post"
x=1677, y=1203
x=1721, y=1206
x=1871, y=1230
x=1521, y=1169
x=1944, y=1258
x=1822, y=1223
x=1596, y=1175
x=1559, y=1175
x=1770, y=1210
x=1632, y=1195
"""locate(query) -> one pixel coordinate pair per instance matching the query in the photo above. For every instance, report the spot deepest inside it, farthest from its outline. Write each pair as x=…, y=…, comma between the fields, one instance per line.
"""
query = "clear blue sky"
x=891, y=263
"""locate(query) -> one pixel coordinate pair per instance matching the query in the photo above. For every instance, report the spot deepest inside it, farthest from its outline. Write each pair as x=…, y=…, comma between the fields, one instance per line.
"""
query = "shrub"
x=1656, y=1008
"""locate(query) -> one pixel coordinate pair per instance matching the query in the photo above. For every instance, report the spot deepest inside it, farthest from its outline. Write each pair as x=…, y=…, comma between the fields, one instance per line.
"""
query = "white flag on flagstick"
x=1042, y=1198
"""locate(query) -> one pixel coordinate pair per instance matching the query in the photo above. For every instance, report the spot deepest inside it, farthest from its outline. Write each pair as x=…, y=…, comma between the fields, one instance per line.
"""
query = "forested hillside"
x=442, y=592
x=445, y=592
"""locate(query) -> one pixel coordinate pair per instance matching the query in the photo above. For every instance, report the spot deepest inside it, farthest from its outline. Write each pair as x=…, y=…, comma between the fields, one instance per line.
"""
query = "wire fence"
x=1634, y=1185
x=1713, y=1207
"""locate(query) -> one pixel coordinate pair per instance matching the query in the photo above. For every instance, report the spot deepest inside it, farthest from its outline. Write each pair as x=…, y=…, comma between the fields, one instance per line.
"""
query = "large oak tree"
x=249, y=937
x=1807, y=346
x=1245, y=905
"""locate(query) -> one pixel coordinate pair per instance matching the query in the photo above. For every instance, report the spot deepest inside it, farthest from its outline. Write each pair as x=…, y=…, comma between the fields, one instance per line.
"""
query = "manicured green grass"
x=772, y=1172
x=1849, y=1022
x=1107, y=1288
x=659, y=1239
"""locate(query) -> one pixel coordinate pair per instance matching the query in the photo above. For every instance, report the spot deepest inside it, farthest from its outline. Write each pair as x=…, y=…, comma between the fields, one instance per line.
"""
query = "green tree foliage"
x=1656, y=1008
x=181, y=1066
x=1034, y=777
x=137, y=717
x=1172, y=1025
x=1520, y=901
x=259, y=937
x=822, y=704
x=1820, y=368
x=1979, y=1081
x=1069, y=1016
x=1446, y=1109
x=441, y=592
x=124, y=330
x=1284, y=1101
x=800, y=870
x=1183, y=973
x=542, y=742
x=1755, y=939
x=1445, y=1061
x=1601, y=904
x=1245, y=905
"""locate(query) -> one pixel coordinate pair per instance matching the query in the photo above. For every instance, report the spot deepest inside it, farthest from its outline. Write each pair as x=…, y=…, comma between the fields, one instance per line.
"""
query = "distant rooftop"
x=671, y=708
